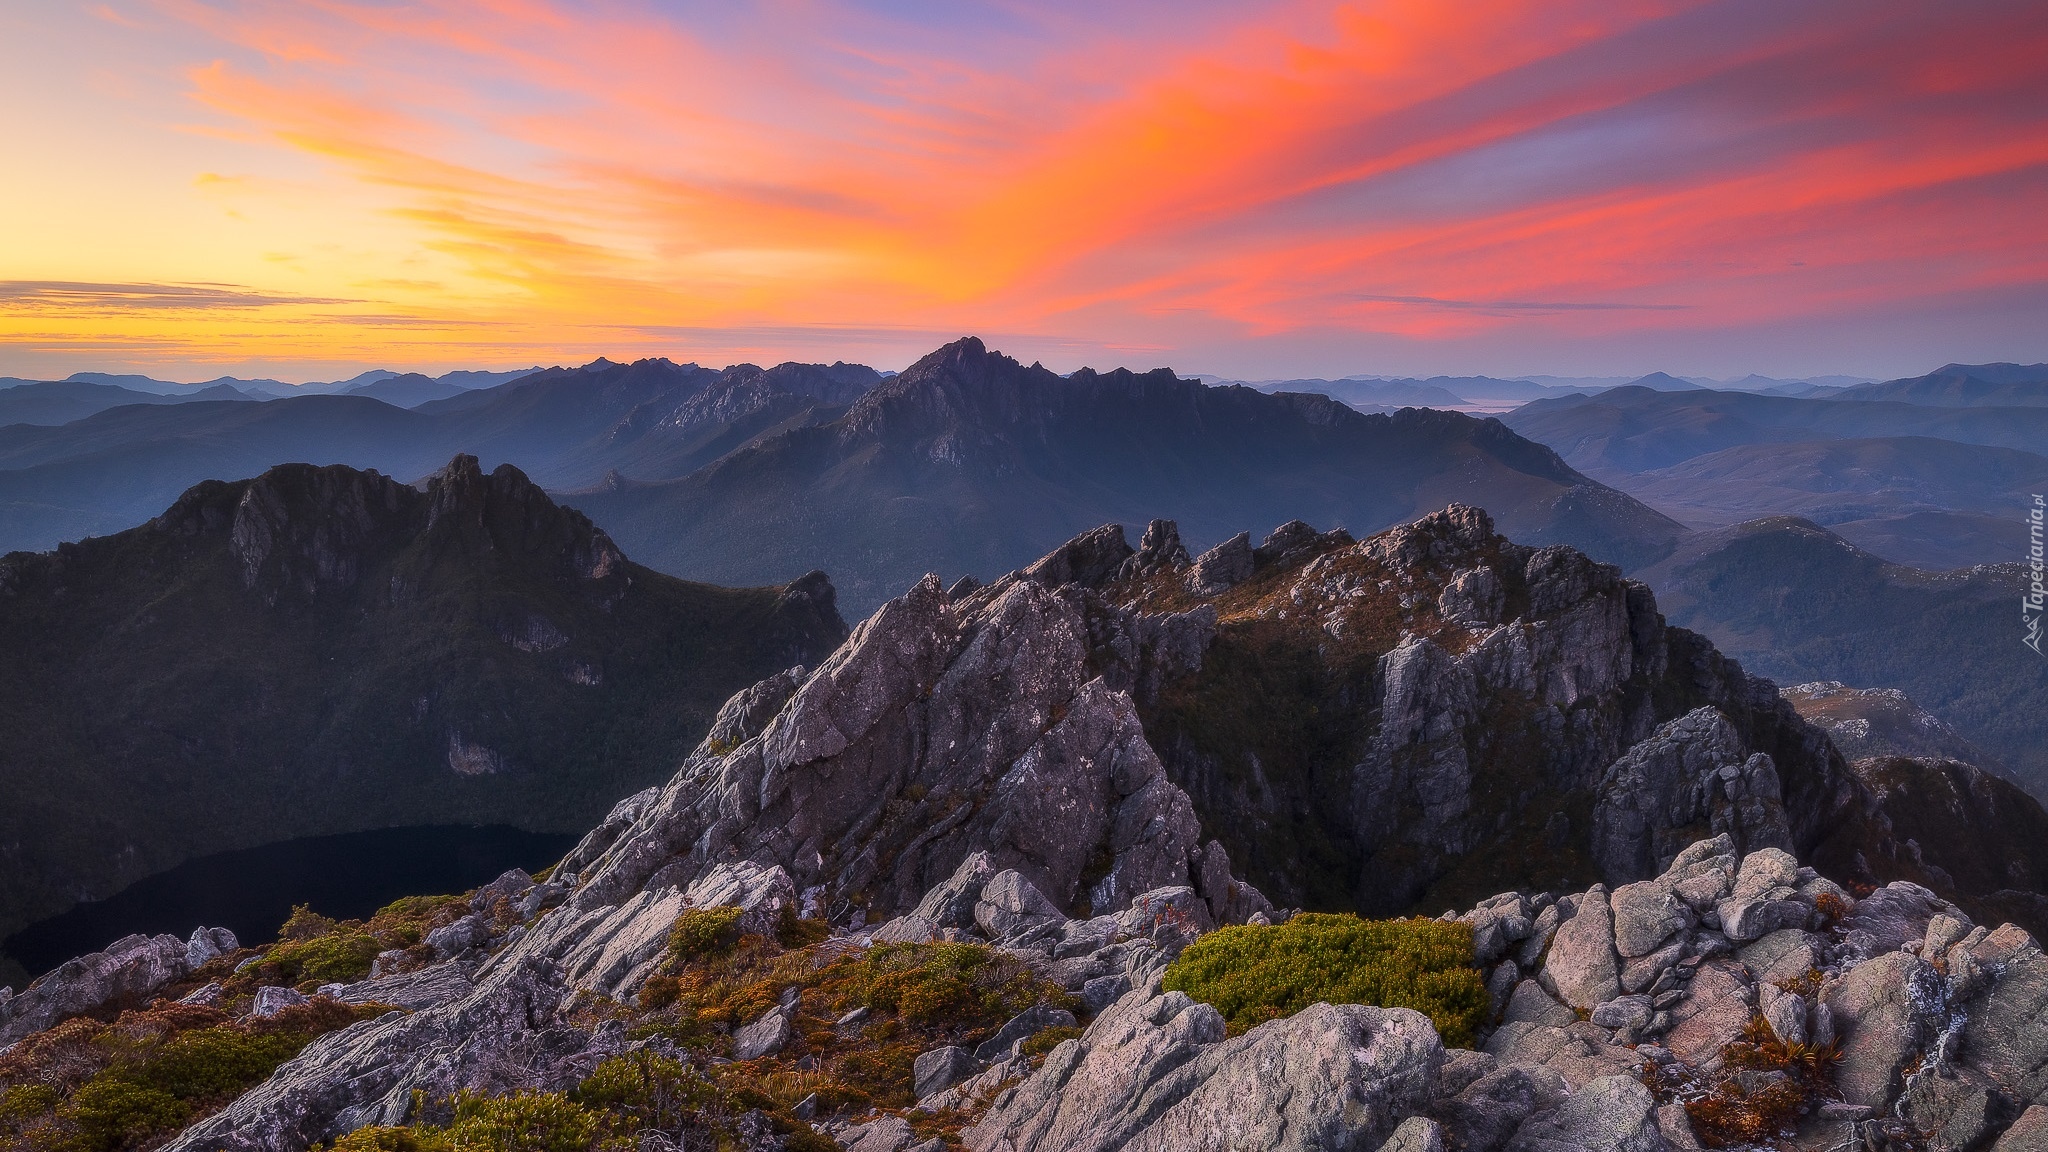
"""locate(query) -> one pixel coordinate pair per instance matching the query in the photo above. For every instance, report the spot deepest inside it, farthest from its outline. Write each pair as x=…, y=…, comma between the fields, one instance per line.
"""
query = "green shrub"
x=216, y=1063
x=109, y=1113
x=1255, y=973
x=342, y=957
x=525, y=1122
x=701, y=933
x=949, y=985
x=1047, y=1039
x=654, y=1090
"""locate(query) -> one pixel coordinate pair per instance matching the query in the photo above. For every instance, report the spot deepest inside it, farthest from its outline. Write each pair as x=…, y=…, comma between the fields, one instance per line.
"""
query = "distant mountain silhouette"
x=969, y=462
x=1628, y=430
x=1964, y=386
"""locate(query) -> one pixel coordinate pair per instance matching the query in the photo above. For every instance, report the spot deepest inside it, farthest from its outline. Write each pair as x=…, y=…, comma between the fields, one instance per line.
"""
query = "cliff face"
x=323, y=650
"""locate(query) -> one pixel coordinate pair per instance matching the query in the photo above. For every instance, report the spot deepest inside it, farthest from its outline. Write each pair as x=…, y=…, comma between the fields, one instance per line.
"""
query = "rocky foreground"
x=959, y=872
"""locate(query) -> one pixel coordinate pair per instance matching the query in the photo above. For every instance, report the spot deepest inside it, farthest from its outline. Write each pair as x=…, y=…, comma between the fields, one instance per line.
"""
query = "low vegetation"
x=129, y=1084
x=1764, y=1086
x=1255, y=973
x=858, y=1020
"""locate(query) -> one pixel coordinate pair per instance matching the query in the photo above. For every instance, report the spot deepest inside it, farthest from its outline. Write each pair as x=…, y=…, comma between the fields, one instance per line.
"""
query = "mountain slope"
x=971, y=462
x=322, y=650
x=1914, y=500
x=53, y=402
x=1795, y=602
x=565, y=427
x=1629, y=430
x=1963, y=386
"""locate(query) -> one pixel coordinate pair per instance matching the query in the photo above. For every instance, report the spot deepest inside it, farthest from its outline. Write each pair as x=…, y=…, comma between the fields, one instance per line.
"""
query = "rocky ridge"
x=974, y=767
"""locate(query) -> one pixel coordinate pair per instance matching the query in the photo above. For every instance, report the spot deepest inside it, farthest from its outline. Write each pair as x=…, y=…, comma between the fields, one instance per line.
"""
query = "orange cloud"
x=1401, y=168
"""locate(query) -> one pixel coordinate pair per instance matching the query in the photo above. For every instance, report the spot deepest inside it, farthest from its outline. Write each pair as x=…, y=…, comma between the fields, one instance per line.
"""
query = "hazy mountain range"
x=970, y=463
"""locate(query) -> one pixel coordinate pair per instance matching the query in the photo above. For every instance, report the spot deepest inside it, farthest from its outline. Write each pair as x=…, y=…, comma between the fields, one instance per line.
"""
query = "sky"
x=307, y=189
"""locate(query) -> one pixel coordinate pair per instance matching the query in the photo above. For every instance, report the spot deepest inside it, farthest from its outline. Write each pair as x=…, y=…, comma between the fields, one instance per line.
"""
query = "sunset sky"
x=310, y=188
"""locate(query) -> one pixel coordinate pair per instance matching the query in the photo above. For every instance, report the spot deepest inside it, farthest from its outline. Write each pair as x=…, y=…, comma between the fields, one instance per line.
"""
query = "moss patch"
x=1255, y=973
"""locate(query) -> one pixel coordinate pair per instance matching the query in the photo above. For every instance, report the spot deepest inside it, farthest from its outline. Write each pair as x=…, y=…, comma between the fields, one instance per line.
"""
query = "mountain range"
x=323, y=649
x=971, y=463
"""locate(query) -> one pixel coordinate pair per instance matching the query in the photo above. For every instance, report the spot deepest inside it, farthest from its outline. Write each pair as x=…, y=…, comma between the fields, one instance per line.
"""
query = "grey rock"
x=1415, y=1134
x=1650, y=801
x=2005, y=1037
x=885, y=1134
x=1530, y=1004
x=1473, y=597
x=762, y=894
x=426, y=988
x=1646, y=915
x=207, y=943
x=941, y=1068
x=1582, y=969
x=1887, y=1011
x=1153, y=1075
x=1011, y=907
x=125, y=972
x=1720, y=1001
x=272, y=1000
x=1577, y=1053
x=2029, y=1133
x=1895, y=914
x=1102, y=991
x=1786, y=1014
x=1786, y=954
x=1541, y=932
x=1159, y=550
x=206, y=996
x=1959, y=1110
x=454, y=939
x=1022, y=1026
x=1483, y=1115
x=1223, y=567
x=1630, y=1012
x=764, y=1037
x=509, y=887
x=1644, y=973
x=1612, y=1114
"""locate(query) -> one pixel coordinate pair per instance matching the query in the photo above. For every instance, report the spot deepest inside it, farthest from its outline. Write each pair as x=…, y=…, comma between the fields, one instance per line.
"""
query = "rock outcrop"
x=125, y=974
x=979, y=769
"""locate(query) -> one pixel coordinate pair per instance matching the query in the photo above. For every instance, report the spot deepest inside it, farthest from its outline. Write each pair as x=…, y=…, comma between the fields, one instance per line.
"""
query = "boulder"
x=941, y=1068
x=764, y=1037
x=2029, y=1133
x=2005, y=1037
x=762, y=894
x=1485, y=1113
x=426, y=988
x=1021, y=1027
x=1646, y=915
x=125, y=973
x=1692, y=772
x=1611, y=1114
x=207, y=943
x=1415, y=1134
x=270, y=1001
x=1156, y=1074
x=1886, y=1011
x=1719, y=1001
x=450, y=940
x=1011, y=908
x=1223, y=567
x=1582, y=969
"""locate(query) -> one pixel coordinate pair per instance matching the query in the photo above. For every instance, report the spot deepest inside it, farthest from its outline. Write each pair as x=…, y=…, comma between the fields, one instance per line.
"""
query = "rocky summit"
x=1021, y=868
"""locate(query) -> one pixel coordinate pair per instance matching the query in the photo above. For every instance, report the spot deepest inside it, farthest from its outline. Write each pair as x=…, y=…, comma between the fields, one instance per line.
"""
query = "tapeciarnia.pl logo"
x=2037, y=596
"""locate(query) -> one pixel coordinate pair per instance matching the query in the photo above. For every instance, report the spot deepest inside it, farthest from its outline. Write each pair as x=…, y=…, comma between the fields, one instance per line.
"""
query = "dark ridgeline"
x=971, y=462
x=325, y=650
